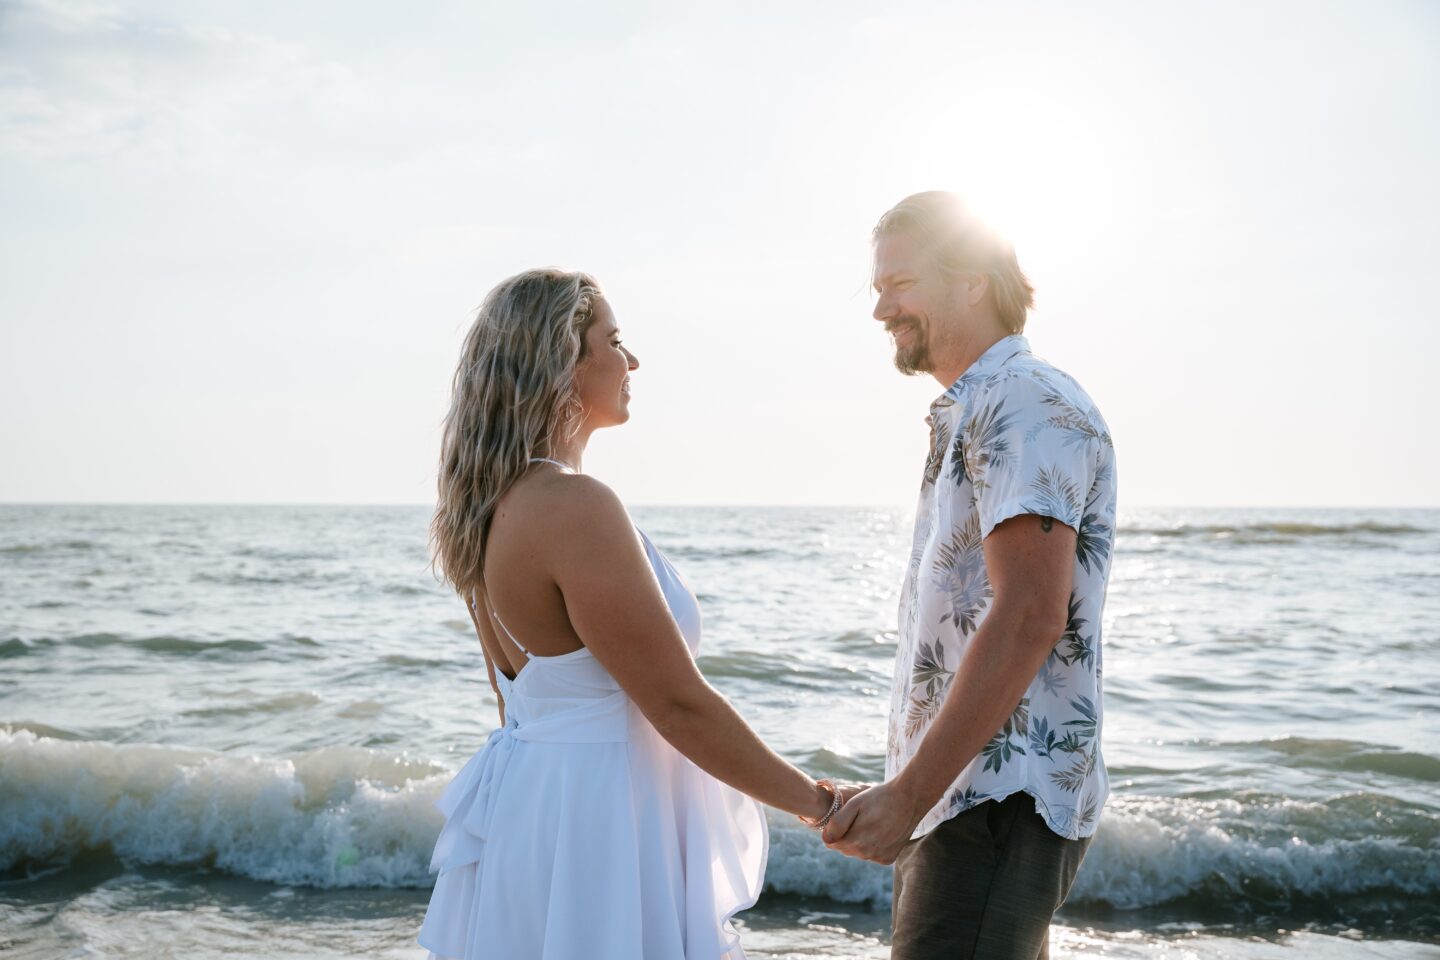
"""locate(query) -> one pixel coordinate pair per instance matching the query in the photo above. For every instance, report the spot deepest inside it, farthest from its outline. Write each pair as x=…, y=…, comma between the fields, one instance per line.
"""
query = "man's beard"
x=914, y=358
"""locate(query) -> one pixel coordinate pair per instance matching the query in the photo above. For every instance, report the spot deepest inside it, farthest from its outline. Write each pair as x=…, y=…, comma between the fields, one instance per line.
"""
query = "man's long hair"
x=961, y=242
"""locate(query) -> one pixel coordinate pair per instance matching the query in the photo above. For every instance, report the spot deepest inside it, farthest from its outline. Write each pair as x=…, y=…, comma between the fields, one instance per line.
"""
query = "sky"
x=240, y=242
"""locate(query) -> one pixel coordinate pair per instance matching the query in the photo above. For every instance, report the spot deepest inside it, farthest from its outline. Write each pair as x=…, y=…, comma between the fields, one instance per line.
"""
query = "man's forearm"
x=999, y=663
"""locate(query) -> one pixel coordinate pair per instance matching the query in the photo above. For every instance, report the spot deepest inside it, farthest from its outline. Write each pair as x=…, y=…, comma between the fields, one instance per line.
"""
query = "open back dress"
x=578, y=831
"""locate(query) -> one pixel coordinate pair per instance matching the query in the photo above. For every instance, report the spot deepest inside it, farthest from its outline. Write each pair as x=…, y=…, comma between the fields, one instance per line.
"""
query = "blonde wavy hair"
x=512, y=398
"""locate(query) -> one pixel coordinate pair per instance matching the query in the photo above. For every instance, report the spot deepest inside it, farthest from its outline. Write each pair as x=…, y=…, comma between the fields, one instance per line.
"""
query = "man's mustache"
x=892, y=325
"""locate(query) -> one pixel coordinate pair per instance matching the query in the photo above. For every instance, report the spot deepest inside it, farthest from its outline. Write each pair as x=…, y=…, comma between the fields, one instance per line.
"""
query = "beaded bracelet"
x=835, y=803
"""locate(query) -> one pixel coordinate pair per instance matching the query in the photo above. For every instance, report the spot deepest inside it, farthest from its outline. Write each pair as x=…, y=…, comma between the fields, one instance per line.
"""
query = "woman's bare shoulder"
x=568, y=506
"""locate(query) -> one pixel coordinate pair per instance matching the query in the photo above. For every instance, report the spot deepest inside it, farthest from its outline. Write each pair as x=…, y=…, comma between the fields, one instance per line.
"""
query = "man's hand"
x=874, y=825
x=848, y=789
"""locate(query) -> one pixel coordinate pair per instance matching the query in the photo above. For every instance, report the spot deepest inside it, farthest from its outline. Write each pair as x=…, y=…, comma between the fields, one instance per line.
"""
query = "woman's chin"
x=617, y=416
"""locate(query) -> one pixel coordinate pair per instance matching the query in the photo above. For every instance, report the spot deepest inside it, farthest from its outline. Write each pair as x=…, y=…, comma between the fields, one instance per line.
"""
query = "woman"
x=583, y=828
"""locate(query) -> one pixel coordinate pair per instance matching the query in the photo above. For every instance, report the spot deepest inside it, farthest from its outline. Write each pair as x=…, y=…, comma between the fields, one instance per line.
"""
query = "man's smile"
x=902, y=329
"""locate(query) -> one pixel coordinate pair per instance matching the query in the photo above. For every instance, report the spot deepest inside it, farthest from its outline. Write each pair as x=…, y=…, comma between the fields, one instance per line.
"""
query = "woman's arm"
x=617, y=608
x=488, y=646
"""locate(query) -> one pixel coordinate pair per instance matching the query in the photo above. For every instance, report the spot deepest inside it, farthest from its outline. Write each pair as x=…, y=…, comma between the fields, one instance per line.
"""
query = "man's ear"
x=970, y=287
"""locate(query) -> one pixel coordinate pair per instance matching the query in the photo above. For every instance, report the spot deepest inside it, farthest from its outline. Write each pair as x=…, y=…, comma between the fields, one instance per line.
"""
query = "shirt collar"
x=988, y=362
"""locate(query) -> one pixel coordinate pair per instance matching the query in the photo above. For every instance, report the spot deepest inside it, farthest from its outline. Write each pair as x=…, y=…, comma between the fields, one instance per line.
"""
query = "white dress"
x=577, y=831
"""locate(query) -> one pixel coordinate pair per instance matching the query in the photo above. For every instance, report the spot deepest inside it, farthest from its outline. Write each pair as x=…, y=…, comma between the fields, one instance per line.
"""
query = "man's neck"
x=963, y=353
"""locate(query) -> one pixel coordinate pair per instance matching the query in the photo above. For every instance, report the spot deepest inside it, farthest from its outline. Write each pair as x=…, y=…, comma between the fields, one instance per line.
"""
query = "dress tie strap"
x=468, y=803
x=463, y=838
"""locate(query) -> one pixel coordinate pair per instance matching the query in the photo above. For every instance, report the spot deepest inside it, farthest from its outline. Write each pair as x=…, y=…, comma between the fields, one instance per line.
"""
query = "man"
x=994, y=776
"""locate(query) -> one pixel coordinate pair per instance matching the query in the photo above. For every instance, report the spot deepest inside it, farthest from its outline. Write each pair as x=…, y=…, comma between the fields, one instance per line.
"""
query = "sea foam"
x=351, y=817
x=334, y=817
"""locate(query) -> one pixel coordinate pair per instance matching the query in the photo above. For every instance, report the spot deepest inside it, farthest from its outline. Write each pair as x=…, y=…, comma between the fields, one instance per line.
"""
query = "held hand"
x=874, y=825
x=846, y=789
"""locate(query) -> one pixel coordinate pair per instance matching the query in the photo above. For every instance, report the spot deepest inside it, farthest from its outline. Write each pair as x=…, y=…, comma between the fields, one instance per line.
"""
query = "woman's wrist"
x=828, y=800
x=824, y=798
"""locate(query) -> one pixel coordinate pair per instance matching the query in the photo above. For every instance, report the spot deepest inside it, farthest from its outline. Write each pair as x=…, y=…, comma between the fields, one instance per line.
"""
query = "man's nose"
x=884, y=309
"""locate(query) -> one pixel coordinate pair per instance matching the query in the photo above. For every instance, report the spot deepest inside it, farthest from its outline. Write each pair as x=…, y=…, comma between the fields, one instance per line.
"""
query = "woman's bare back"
x=519, y=590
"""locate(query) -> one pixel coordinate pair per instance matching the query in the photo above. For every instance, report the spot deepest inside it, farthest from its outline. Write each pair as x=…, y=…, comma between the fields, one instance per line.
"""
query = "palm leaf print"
x=1078, y=426
x=957, y=461
x=998, y=750
x=969, y=797
x=1050, y=678
x=912, y=575
x=1104, y=473
x=985, y=442
x=1088, y=815
x=1086, y=725
x=1056, y=495
x=912, y=600
x=922, y=709
x=1082, y=652
x=1081, y=649
x=939, y=440
x=1019, y=720
x=929, y=669
x=1042, y=738
x=923, y=530
x=959, y=572
x=970, y=378
x=1073, y=778
x=1092, y=541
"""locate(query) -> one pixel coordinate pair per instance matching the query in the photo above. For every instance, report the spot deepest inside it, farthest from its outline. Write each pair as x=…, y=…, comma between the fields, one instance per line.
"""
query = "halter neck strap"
x=558, y=463
x=495, y=613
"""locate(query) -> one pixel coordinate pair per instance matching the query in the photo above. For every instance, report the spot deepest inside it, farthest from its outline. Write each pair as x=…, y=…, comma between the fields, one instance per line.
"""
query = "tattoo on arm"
x=1046, y=523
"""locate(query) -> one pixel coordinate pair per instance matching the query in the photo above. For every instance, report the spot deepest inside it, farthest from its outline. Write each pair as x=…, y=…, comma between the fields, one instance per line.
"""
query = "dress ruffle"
x=578, y=831
x=615, y=848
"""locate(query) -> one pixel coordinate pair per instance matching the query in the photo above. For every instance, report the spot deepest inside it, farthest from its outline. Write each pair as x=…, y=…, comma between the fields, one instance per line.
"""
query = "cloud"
x=88, y=82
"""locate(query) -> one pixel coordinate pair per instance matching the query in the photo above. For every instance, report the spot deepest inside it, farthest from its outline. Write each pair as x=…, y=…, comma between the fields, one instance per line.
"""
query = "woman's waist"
x=569, y=716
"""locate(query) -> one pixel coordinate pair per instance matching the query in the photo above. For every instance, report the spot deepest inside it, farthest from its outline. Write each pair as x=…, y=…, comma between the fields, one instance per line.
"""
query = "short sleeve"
x=1029, y=448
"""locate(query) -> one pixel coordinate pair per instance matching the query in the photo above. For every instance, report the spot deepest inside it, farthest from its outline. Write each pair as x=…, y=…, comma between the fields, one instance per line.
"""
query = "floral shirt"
x=1012, y=436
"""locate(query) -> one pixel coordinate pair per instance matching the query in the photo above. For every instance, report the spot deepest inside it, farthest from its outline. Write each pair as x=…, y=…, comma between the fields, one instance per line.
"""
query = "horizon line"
x=687, y=505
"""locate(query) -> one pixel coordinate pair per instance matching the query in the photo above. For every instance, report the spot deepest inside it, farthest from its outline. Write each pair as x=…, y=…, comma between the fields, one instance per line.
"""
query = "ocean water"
x=222, y=728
